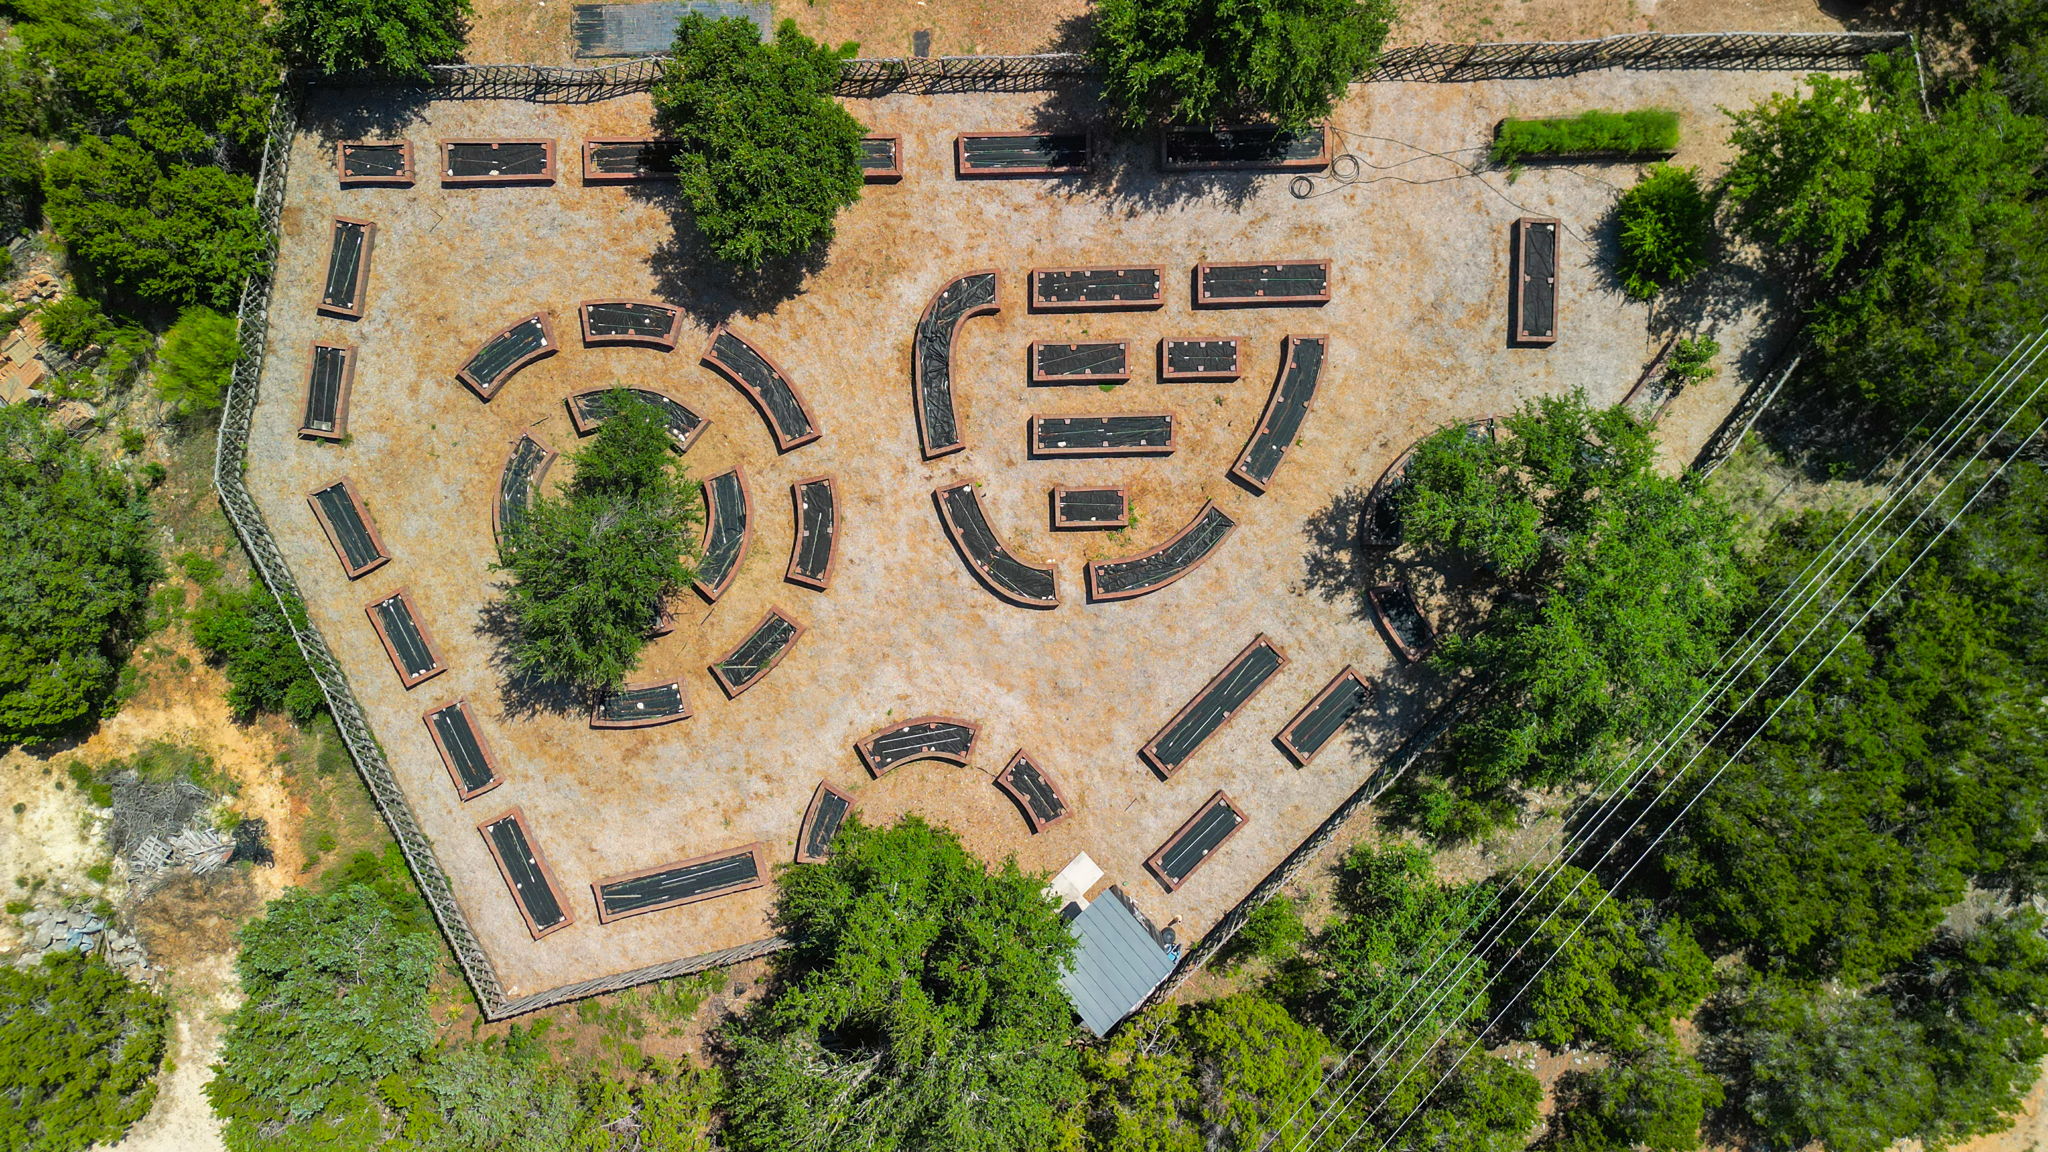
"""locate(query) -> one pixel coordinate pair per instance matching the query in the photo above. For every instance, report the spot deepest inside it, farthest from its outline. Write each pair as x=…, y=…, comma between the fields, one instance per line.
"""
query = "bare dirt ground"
x=1419, y=244
x=537, y=31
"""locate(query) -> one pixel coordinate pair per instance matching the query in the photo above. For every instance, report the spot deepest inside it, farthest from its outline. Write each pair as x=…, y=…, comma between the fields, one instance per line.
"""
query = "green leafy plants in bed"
x=1598, y=132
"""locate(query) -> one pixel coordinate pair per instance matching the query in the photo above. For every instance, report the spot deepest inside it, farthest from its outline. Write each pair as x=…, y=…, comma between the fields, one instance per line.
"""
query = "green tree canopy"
x=76, y=565
x=591, y=568
x=198, y=354
x=80, y=1045
x=187, y=78
x=246, y=634
x=1666, y=224
x=1614, y=585
x=1600, y=970
x=917, y=1008
x=1655, y=1099
x=1204, y=61
x=167, y=232
x=21, y=146
x=1916, y=242
x=768, y=158
x=401, y=36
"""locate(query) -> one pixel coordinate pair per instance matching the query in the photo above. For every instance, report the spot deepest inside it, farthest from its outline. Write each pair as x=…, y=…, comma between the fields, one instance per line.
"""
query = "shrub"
x=246, y=634
x=80, y=1046
x=1201, y=61
x=1666, y=223
x=1273, y=931
x=590, y=569
x=74, y=324
x=401, y=36
x=198, y=354
x=768, y=158
x=1654, y=1100
x=1642, y=131
x=76, y=562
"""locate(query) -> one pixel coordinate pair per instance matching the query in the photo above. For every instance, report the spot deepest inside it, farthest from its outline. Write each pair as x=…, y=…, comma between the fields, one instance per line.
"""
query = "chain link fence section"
x=231, y=459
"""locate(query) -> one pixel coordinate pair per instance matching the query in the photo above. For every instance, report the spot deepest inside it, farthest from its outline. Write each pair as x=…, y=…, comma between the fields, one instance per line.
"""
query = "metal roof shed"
x=1118, y=963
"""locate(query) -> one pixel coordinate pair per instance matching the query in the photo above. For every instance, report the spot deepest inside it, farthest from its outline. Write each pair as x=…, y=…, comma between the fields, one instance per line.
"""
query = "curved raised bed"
x=1018, y=581
x=758, y=654
x=811, y=554
x=925, y=738
x=1037, y=795
x=645, y=322
x=589, y=408
x=1294, y=393
x=642, y=706
x=524, y=470
x=727, y=512
x=1153, y=570
x=821, y=822
x=521, y=343
x=931, y=357
x=753, y=373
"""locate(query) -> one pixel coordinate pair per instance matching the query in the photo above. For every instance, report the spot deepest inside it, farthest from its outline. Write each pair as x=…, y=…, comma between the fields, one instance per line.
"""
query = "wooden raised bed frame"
x=545, y=176
x=462, y=791
x=540, y=861
x=334, y=537
x=758, y=849
x=1153, y=863
x=406, y=679
x=402, y=179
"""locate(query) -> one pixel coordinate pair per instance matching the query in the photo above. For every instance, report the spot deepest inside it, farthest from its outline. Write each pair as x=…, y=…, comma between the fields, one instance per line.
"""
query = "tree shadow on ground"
x=710, y=290
x=368, y=113
x=525, y=695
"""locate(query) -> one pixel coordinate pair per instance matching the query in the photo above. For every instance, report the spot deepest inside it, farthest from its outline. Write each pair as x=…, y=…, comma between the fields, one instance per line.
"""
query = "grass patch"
x=1639, y=132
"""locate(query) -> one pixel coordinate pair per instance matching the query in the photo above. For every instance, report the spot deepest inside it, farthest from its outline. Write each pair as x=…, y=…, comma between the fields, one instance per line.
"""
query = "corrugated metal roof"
x=1117, y=964
x=650, y=29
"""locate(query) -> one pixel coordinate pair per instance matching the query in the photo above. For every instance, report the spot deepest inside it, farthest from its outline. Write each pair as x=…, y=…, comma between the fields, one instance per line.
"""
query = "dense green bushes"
x=1206, y=61
x=400, y=36
x=768, y=158
x=80, y=1045
x=76, y=565
x=197, y=356
x=1666, y=224
x=244, y=631
x=1639, y=132
x=591, y=568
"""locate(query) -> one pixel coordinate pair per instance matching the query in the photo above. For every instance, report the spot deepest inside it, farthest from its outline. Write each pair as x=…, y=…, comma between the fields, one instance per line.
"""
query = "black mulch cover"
x=1190, y=356
x=1102, y=433
x=451, y=724
x=1092, y=506
x=634, y=158
x=622, y=319
x=373, y=160
x=1265, y=280
x=726, y=502
x=1185, y=854
x=1328, y=717
x=1216, y=704
x=1097, y=286
x=765, y=382
x=347, y=520
x=1404, y=619
x=515, y=486
x=532, y=888
x=595, y=408
x=815, y=525
x=510, y=347
x=898, y=745
x=345, y=266
x=878, y=154
x=934, y=353
x=1031, y=150
x=406, y=640
x=664, y=699
x=1194, y=147
x=1289, y=406
x=1028, y=782
x=757, y=651
x=323, y=388
x=824, y=825
x=724, y=873
x=1183, y=553
x=1107, y=359
x=497, y=160
x=1538, y=315
x=991, y=559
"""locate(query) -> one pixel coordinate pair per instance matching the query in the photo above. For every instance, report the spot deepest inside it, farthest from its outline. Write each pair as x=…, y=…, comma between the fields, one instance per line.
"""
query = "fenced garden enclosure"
x=864, y=77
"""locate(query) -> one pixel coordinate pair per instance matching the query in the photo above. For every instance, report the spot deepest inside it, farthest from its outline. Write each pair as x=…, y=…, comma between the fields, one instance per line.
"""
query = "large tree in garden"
x=401, y=36
x=918, y=1007
x=80, y=1045
x=76, y=565
x=590, y=569
x=1204, y=61
x=767, y=157
x=1611, y=585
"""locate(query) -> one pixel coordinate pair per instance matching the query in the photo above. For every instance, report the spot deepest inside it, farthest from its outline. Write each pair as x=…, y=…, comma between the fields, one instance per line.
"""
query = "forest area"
x=1803, y=912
